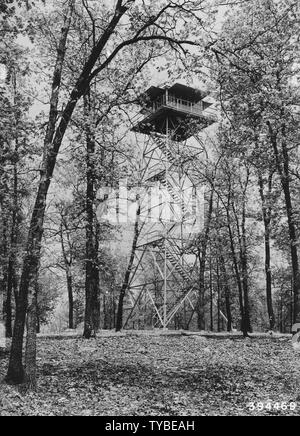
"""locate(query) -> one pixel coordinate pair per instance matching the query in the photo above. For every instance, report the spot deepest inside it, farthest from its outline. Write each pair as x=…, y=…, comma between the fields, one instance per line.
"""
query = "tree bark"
x=211, y=295
x=202, y=255
x=30, y=353
x=8, y=300
x=245, y=279
x=219, y=297
x=92, y=290
x=236, y=270
x=70, y=299
x=12, y=261
x=201, y=295
x=267, y=223
x=5, y=289
x=119, y=320
x=68, y=263
x=243, y=259
x=227, y=293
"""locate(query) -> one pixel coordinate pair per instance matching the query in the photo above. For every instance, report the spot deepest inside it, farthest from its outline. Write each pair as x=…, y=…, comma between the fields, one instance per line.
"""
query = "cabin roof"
x=187, y=93
x=178, y=90
x=152, y=93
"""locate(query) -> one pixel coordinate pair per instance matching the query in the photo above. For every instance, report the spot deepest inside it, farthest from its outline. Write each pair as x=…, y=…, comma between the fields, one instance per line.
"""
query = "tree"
x=235, y=203
x=257, y=66
x=69, y=225
x=137, y=228
x=15, y=132
x=92, y=309
x=265, y=190
x=202, y=256
x=31, y=262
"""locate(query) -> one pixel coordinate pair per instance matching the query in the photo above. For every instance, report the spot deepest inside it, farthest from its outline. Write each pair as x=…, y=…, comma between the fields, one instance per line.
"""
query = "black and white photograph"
x=149, y=211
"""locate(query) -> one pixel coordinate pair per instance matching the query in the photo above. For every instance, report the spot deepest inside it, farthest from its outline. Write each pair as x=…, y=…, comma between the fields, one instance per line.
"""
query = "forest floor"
x=166, y=375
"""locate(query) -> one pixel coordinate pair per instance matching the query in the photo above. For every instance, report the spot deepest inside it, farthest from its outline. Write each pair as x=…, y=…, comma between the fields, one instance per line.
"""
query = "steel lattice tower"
x=163, y=272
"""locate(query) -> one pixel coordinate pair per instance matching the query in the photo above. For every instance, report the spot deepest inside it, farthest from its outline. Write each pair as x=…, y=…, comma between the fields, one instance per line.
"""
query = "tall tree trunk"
x=119, y=320
x=267, y=222
x=201, y=295
x=12, y=261
x=92, y=303
x=219, y=297
x=105, y=313
x=243, y=257
x=52, y=143
x=202, y=255
x=70, y=299
x=227, y=293
x=211, y=295
x=8, y=300
x=30, y=353
x=245, y=279
x=237, y=272
x=5, y=290
x=38, y=322
x=68, y=263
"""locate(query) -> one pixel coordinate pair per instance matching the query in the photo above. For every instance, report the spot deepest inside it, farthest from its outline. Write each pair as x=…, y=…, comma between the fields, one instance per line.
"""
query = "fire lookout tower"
x=163, y=274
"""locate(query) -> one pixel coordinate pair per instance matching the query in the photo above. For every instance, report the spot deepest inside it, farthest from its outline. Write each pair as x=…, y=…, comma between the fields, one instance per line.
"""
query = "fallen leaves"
x=157, y=375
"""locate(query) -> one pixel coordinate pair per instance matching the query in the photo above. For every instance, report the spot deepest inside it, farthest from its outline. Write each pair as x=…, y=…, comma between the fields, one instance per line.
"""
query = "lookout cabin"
x=178, y=111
